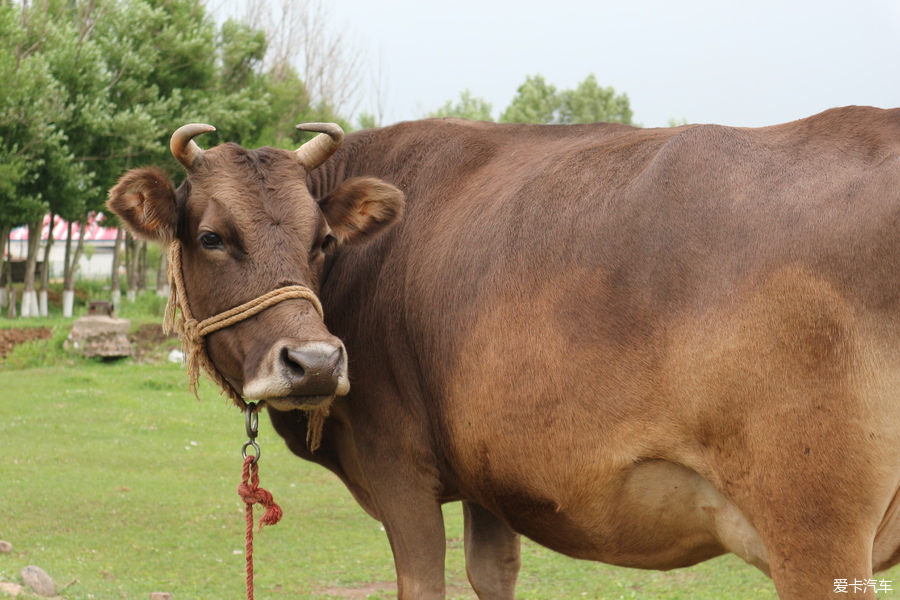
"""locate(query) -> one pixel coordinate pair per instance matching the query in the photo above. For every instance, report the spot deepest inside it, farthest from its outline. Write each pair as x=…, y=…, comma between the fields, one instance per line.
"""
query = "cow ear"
x=361, y=208
x=145, y=201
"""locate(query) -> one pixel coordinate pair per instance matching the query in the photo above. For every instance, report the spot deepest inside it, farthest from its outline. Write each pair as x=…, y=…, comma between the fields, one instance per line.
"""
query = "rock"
x=38, y=580
x=99, y=335
x=12, y=589
x=5, y=547
x=160, y=596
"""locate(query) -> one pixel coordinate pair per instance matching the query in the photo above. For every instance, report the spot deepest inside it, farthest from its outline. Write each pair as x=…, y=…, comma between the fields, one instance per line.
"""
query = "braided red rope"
x=251, y=494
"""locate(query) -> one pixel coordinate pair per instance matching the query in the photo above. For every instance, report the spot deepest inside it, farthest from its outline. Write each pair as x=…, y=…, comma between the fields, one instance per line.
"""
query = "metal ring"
x=251, y=421
x=255, y=448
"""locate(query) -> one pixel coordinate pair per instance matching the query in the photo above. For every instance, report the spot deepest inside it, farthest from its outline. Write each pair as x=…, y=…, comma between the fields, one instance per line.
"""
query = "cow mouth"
x=288, y=403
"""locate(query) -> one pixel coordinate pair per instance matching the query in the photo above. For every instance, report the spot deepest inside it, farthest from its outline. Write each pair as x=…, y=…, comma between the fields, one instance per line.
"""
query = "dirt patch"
x=359, y=593
x=10, y=337
x=454, y=590
x=147, y=339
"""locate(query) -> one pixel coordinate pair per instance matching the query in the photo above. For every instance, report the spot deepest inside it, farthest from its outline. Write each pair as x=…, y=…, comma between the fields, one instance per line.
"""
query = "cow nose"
x=313, y=369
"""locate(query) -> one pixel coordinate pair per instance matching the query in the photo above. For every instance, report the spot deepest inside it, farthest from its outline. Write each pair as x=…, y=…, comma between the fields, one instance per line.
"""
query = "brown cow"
x=645, y=347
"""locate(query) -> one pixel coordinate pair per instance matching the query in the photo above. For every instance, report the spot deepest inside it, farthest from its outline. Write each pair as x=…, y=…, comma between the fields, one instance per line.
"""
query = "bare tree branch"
x=300, y=38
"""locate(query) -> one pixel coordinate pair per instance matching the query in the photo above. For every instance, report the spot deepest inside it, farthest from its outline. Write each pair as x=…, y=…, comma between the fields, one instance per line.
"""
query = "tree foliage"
x=468, y=107
x=92, y=88
x=537, y=101
x=590, y=102
x=30, y=102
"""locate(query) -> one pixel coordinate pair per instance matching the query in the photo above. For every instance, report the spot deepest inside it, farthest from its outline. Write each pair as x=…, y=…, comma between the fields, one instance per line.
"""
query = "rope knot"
x=251, y=494
x=190, y=329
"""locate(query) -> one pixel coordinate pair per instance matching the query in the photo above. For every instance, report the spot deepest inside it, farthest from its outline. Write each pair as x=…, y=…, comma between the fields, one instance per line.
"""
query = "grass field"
x=115, y=479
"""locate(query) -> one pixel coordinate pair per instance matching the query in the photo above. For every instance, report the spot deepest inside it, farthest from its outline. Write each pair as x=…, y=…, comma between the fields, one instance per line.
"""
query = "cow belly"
x=654, y=515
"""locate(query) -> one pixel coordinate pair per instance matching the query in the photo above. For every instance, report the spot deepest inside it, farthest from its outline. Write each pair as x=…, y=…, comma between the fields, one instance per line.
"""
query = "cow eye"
x=328, y=244
x=211, y=241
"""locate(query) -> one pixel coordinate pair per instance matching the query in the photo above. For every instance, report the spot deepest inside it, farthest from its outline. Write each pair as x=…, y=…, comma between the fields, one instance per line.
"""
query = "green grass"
x=114, y=476
x=148, y=307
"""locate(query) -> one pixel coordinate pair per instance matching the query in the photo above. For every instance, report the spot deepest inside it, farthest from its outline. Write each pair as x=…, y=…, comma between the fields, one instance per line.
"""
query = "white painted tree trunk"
x=68, y=302
x=116, y=299
x=131, y=295
x=43, y=303
x=30, y=306
x=12, y=304
x=2, y=297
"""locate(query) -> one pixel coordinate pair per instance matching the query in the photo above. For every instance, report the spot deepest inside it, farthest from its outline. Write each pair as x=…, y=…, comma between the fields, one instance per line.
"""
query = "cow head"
x=246, y=225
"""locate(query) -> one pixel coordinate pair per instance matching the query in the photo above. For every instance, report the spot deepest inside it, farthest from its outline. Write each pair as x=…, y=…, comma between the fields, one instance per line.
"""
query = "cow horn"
x=184, y=148
x=317, y=150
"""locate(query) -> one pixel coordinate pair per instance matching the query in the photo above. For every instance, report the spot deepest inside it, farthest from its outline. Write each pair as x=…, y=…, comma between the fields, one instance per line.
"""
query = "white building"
x=99, y=242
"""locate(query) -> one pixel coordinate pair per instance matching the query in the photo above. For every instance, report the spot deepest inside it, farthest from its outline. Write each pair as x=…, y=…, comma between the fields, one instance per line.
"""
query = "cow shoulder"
x=145, y=201
x=361, y=208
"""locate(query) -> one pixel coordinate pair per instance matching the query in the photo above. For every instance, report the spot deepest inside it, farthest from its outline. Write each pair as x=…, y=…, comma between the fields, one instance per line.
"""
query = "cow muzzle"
x=300, y=375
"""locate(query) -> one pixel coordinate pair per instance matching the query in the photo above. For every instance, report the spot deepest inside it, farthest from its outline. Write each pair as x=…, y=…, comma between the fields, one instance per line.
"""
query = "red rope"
x=251, y=494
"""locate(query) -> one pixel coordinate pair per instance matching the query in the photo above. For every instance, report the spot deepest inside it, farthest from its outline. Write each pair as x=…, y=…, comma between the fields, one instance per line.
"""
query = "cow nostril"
x=312, y=369
x=294, y=362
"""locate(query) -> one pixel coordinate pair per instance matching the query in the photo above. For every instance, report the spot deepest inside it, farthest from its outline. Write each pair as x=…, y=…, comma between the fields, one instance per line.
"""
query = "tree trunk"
x=131, y=260
x=45, y=272
x=79, y=248
x=142, y=266
x=29, y=294
x=76, y=259
x=11, y=291
x=4, y=236
x=68, y=276
x=162, y=278
x=114, y=284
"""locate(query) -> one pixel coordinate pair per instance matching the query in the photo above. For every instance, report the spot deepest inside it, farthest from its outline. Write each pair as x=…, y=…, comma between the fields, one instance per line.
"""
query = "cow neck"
x=192, y=333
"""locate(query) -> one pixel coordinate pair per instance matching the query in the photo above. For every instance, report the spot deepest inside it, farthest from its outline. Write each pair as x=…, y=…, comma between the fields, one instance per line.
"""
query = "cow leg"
x=416, y=534
x=842, y=570
x=492, y=554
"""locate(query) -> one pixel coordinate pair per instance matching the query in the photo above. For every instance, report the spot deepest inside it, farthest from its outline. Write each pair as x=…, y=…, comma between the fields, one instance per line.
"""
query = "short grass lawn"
x=118, y=483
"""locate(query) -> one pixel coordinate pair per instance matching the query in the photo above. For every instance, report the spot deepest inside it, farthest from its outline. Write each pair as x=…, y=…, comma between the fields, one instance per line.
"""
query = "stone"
x=100, y=335
x=38, y=580
x=160, y=596
x=11, y=589
x=5, y=547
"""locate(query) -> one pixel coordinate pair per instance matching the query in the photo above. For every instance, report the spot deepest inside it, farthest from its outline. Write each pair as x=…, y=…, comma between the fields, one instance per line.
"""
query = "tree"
x=468, y=107
x=242, y=50
x=300, y=44
x=31, y=104
x=12, y=170
x=95, y=87
x=168, y=65
x=536, y=101
x=367, y=120
x=591, y=103
x=290, y=104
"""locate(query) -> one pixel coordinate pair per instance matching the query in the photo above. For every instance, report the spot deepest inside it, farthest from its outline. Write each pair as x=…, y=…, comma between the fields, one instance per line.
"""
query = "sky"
x=731, y=62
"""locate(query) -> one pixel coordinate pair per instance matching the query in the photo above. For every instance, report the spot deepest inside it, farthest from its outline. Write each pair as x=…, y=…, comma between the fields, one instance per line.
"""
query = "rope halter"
x=193, y=334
